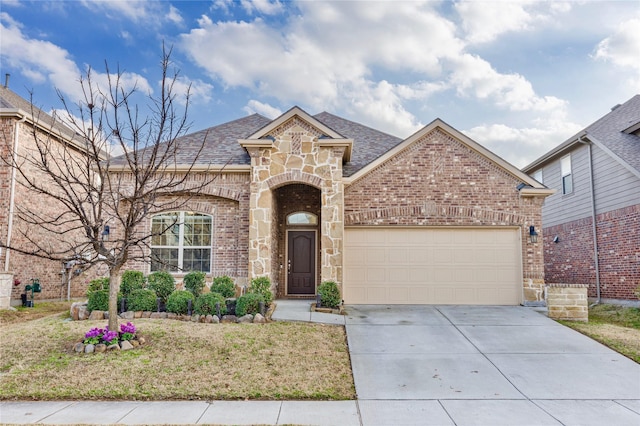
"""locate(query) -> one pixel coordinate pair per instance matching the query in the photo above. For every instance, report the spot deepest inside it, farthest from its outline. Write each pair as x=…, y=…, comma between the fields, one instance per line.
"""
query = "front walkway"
x=418, y=365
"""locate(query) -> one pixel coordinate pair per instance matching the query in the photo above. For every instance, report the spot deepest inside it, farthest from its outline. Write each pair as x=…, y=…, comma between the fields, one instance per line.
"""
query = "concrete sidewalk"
x=418, y=365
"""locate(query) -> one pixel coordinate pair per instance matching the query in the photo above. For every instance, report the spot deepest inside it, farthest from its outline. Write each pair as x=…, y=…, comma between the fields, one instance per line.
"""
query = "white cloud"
x=484, y=21
x=473, y=75
x=266, y=110
x=199, y=91
x=265, y=7
x=520, y=146
x=174, y=15
x=623, y=48
x=43, y=61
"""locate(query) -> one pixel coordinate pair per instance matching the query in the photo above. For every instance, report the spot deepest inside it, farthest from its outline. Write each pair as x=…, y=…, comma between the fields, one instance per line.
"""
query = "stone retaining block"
x=568, y=302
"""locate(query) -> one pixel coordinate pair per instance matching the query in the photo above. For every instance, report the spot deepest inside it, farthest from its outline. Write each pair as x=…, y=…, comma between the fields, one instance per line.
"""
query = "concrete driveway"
x=484, y=365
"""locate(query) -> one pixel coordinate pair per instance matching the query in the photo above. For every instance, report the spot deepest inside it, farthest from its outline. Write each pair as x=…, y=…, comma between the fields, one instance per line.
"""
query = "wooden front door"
x=301, y=262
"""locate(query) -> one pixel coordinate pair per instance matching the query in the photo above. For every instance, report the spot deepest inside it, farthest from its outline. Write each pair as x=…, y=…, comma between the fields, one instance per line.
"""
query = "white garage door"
x=470, y=266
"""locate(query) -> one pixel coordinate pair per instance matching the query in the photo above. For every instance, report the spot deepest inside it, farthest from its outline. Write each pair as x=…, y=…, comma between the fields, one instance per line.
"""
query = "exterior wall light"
x=533, y=235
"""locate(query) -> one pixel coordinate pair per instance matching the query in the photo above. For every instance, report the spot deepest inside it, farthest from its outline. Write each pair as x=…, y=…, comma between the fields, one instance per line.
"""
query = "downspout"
x=593, y=219
x=13, y=191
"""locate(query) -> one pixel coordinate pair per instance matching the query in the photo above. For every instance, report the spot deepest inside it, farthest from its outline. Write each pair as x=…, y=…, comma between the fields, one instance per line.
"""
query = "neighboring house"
x=18, y=119
x=431, y=219
x=592, y=223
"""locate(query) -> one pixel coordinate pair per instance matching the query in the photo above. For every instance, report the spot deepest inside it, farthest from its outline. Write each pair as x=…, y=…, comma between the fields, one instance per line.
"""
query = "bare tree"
x=98, y=204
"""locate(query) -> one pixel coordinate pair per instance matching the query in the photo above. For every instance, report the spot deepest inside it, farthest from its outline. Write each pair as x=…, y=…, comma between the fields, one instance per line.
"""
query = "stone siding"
x=567, y=302
x=571, y=259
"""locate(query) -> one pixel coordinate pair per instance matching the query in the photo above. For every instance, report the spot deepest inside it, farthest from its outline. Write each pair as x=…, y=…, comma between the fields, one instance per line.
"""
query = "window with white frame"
x=181, y=241
x=567, y=179
x=538, y=175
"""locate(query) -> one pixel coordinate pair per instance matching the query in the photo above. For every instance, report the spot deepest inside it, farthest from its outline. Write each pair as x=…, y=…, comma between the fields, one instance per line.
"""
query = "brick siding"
x=571, y=260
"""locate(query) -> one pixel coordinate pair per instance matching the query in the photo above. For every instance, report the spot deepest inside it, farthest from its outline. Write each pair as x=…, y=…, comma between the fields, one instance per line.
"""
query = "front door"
x=301, y=262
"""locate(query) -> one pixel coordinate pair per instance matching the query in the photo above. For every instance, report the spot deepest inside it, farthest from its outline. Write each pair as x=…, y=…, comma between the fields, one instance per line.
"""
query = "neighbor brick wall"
x=571, y=260
x=24, y=268
x=440, y=181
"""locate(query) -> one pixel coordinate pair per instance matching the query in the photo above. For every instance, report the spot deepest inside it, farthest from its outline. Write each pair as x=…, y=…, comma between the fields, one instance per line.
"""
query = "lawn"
x=614, y=326
x=182, y=360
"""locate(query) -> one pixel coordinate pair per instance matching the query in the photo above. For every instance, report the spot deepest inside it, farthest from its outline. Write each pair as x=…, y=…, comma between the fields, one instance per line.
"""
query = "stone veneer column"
x=294, y=156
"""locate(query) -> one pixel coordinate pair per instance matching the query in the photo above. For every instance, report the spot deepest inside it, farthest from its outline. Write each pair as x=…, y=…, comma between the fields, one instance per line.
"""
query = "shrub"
x=142, y=300
x=329, y=294
x=224, y=285
x=131, y=280
x=206, y=304
x=194, y=282
x=178, y=301
x=97, y=285
x=262, y=285
x=98, y=300
x=249, y=304
x=162, y=283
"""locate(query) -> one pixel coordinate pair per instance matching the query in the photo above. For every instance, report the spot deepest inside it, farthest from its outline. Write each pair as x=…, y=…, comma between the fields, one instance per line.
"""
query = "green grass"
x=617, y=327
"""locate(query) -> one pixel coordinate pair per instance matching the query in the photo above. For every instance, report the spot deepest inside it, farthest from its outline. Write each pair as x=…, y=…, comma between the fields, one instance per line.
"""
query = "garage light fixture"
x=533, y=235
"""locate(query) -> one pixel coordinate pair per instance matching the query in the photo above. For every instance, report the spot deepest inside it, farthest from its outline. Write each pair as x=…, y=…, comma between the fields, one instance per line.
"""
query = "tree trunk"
x=114, y=289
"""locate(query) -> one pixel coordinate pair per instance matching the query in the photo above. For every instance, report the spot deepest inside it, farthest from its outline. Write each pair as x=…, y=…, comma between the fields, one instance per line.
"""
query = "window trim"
x=180, y=222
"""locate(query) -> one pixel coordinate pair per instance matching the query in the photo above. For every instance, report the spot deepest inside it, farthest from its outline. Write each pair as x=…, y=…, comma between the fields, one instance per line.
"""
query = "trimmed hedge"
x=206, y=304
x=262, y=285
x=249, y=304
x=329, y=294
x=142, y=300
x=131, y=280
x=224, y=285
x=178, y=301
x=97, y=285
x=194, y=282
x=162, y=283
x=98, y=300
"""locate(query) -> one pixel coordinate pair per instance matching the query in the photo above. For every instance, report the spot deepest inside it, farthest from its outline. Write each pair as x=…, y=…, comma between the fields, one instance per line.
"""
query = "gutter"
x=13, y=191
x=594, y=225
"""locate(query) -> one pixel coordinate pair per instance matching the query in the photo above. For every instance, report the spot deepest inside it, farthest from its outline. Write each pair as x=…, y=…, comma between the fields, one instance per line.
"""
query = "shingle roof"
x=609, y=130
x=222, y=147
x=11, y=100
x=368, y=143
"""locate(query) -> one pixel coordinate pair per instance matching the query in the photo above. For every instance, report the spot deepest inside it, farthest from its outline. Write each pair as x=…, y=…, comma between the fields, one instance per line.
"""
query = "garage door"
x=470, y=266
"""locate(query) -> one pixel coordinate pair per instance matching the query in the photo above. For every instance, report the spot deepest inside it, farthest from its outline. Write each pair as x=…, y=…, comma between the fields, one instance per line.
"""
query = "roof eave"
x=555, y=152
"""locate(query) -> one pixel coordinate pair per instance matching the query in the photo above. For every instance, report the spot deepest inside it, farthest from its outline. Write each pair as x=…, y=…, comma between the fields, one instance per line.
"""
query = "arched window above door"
x=302, y=218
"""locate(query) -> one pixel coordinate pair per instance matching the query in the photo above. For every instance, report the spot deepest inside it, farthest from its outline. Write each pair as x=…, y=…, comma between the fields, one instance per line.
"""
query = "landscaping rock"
x=83, y=313
x=89, y=348
x=126, y=345
x=163, y=315
x=208, y=319
x=229, y=319
x=138, y=314
x=135, y=343
x=246, y=319
x=259, y=319
x=155, y=315
x=101, y=347
x=74, y=311
x=96, y=315
x=115, y=347
x=171, y=315
x=142, y=340
x=146, y=314
x=195, y=318
x=127, y=315
x=78, y=347
x=215, y=319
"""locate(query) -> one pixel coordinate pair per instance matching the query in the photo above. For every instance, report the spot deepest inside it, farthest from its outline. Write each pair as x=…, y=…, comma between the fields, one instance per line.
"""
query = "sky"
x=519, y=77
